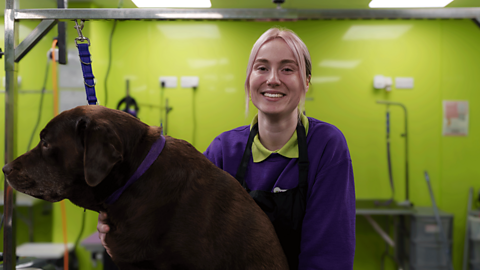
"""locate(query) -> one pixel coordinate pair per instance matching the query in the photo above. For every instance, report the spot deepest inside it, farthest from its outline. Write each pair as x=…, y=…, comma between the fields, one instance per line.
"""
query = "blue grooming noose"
x=86, y=62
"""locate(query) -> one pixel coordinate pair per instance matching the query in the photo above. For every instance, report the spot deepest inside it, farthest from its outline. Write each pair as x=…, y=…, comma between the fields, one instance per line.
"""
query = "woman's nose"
x=273, y=79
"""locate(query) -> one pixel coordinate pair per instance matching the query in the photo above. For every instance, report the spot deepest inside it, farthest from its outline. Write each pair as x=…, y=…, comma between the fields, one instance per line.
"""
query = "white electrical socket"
x=403, y=82
x=189, y=81
x=168, y=81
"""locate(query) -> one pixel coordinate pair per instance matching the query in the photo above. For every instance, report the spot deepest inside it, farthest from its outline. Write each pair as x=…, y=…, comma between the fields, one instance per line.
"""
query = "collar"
x=152, y=155
x=289, y=150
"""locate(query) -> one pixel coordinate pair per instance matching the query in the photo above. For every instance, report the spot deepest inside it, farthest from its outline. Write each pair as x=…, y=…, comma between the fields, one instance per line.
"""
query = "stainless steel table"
x=371, y=207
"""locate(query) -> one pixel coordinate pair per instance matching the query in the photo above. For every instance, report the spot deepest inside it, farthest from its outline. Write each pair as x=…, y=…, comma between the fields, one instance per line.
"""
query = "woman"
x=298, y=169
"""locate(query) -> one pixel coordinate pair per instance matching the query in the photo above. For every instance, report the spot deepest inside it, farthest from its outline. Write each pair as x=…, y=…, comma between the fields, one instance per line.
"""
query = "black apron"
x=285, y=209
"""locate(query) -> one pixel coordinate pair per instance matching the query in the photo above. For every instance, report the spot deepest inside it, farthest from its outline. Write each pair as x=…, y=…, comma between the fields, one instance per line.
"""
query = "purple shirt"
x=328, y=231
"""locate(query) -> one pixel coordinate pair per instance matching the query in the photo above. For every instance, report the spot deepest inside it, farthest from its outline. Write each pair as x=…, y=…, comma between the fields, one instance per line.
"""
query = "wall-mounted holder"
x=382, y=82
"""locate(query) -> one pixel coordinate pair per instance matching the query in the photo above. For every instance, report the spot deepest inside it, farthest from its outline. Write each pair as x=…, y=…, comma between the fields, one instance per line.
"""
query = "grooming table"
x=368, y=208
x=38, y=256
x=52, y=251
x=93, y=244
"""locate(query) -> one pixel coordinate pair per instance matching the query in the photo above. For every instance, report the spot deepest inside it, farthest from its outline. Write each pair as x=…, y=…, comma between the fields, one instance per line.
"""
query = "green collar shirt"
x=289, y=150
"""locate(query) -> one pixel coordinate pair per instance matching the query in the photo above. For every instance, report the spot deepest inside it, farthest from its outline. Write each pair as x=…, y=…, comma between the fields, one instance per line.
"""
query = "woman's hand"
x=103, y=229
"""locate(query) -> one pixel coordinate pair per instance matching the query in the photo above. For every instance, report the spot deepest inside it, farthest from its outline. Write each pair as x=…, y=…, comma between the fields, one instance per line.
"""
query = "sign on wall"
x=455, y=118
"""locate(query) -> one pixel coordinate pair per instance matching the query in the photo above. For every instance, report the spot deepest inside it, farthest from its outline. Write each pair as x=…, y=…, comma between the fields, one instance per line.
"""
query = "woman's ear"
x=308, y=83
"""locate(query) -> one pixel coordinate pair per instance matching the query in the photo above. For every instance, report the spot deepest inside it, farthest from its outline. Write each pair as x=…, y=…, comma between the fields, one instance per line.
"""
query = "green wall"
x=346, y=54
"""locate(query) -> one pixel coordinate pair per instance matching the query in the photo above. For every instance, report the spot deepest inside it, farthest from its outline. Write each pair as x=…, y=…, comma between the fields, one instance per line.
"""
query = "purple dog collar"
x=152, y=155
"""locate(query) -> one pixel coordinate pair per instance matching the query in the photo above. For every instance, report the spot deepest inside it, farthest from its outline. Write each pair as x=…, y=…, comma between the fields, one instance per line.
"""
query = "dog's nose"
x=7, y=169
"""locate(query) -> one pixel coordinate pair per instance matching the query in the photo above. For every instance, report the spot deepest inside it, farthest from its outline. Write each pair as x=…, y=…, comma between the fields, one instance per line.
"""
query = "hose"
x=40, y=107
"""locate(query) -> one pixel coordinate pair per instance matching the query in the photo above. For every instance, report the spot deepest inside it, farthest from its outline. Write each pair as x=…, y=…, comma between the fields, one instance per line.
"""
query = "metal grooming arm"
x=407, y=199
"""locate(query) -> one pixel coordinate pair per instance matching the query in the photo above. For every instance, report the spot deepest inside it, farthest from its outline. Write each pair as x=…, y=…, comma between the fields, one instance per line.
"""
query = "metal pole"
x=166, y=117
x=11, y=75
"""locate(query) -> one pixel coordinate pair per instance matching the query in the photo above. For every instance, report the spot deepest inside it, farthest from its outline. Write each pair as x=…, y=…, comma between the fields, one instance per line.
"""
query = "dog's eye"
x=44, y=144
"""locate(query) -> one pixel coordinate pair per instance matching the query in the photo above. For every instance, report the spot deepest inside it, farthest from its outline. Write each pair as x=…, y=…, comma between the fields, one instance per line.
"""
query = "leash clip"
x=80, y=37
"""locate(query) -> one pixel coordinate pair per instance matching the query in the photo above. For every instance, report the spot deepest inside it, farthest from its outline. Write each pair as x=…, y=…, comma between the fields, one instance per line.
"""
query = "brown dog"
x=182, y=213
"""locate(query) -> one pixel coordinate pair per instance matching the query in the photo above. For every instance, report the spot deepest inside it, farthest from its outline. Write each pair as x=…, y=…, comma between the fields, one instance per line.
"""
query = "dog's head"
x=77, y=150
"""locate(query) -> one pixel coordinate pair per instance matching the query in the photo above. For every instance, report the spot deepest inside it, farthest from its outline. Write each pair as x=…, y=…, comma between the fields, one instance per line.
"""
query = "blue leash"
x=87, y=73
x=86, y=62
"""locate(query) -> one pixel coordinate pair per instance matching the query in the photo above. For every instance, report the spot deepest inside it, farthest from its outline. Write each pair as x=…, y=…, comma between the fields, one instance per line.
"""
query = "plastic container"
x=428, y=254
x=424, y=226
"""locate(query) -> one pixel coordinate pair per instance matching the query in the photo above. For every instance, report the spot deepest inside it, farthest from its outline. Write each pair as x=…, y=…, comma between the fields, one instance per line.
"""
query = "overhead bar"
x=244, y=14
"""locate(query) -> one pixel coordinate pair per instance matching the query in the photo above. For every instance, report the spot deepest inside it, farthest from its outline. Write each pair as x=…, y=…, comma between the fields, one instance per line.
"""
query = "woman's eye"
x=44, y=143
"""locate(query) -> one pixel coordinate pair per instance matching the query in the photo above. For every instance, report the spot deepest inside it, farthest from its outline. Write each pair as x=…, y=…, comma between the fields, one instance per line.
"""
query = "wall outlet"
x=189, y=81
x=404, y=82
x=168, y=81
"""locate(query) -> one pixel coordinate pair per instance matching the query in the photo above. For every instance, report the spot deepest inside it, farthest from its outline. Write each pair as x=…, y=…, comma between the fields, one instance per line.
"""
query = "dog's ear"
x=102, y=149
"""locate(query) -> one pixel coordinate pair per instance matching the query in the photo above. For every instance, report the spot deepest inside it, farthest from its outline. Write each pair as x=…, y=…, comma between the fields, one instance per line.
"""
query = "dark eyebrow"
x=261, y=60
x=42, y=134
x=288, y=61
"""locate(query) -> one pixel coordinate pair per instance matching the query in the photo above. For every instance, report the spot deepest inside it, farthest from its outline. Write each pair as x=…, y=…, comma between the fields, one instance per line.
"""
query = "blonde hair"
x=299, y=50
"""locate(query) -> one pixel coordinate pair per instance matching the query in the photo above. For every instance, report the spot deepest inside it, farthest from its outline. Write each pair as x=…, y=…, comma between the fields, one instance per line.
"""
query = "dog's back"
x=193, y=216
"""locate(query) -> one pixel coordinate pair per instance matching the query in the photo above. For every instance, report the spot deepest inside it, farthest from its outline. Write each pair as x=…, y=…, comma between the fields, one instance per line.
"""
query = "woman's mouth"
x=273, y=95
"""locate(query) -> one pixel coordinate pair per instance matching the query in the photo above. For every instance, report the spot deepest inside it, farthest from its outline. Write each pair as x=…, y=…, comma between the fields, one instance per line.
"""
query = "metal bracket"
x=476, y=21
x=380, y=231
x=33, y=38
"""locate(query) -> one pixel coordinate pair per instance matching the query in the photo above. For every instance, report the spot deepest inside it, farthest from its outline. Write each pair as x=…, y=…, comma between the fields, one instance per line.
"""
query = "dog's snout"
x=7, y=169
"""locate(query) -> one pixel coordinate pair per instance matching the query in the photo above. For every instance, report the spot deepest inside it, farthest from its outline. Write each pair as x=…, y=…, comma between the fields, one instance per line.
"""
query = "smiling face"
x=275, y=83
